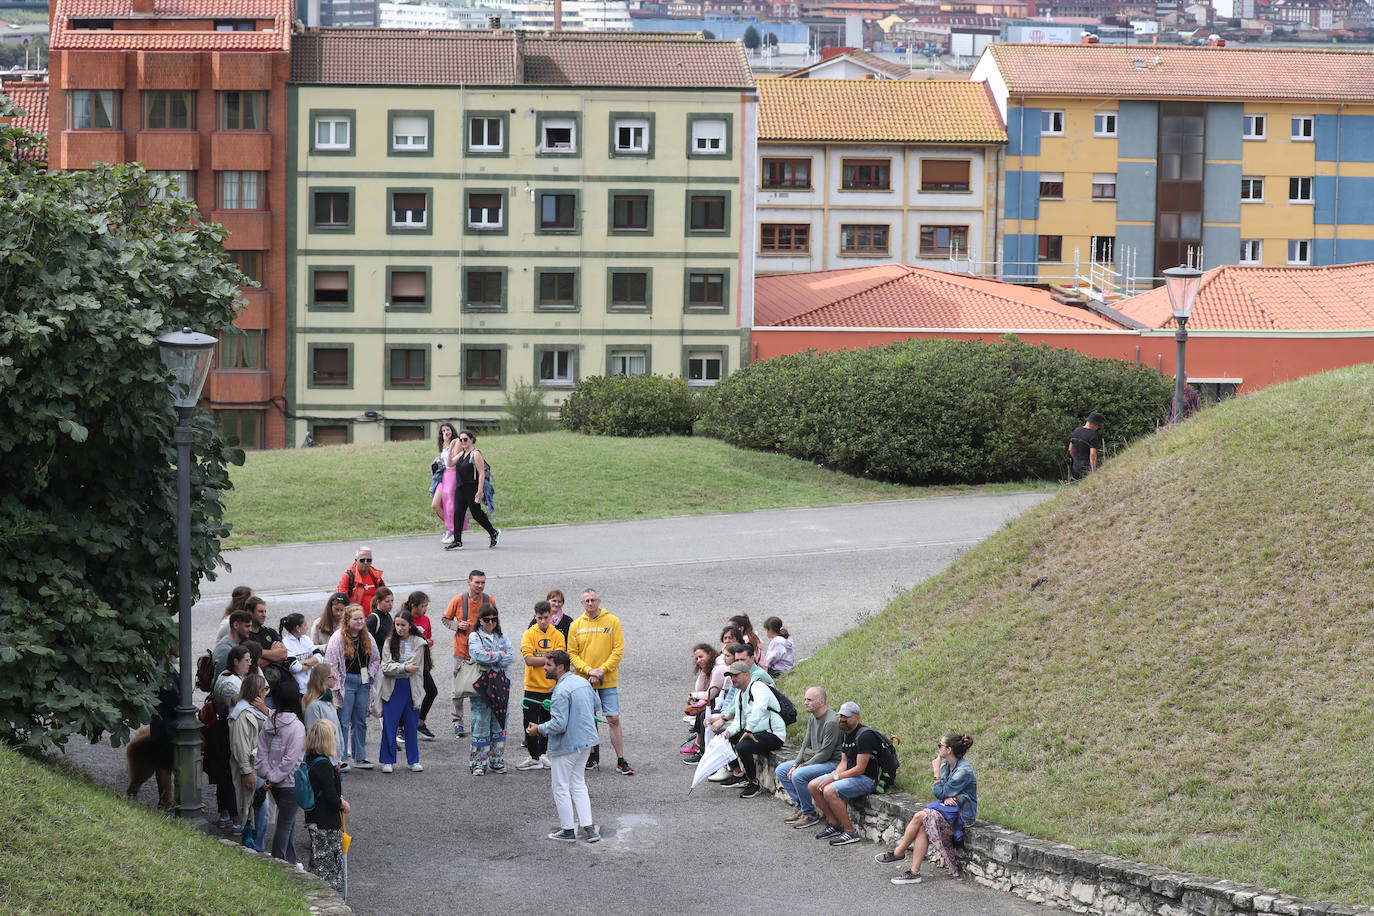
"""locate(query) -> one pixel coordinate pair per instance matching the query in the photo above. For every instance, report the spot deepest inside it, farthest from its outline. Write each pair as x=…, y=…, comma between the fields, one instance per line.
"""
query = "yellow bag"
x=346, y=838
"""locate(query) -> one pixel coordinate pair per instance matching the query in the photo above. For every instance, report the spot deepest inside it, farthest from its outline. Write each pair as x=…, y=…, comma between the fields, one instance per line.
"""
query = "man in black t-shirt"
x=856, y=776
x=273, y=659
x=1084, y=445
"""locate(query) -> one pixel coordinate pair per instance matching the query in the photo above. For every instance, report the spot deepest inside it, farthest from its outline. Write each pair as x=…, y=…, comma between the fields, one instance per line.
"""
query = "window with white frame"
x=708, y=137
x=239, y=191
x=484, y=211
x=93, y=109
x=1299, y=190
x=409, y=134
x=1051, y=185
x=1299, y=251
x=181, y=184
x=1104, y=185
x=1251, y=251
x=485, y=135
x=628, y=362
x=409, y=210
x=632, y=136
x=1251, y=188
x=556, y=367
x=1104, y=124
x=1303, y=126
x=558, y=135
x=1051, y=122
x=704, y=367
x=332, y=132
x=1253, y=128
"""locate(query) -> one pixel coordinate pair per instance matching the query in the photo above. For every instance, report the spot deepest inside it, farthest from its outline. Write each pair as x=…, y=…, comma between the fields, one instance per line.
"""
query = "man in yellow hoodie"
x=596, y=645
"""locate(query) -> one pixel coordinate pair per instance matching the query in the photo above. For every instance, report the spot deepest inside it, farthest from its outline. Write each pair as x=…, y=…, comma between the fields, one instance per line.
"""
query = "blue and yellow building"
x=1145, y=158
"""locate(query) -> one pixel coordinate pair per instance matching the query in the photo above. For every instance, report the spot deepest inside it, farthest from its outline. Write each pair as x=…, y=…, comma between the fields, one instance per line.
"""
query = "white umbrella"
x=717, y=754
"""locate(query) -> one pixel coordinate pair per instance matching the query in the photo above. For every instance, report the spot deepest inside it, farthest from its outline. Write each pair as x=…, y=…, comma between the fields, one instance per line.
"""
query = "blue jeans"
x=399, y=710
x=353, y=717
x=796, y=786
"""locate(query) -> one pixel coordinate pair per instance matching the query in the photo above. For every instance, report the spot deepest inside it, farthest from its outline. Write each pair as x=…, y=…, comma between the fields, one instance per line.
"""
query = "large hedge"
x=635, y=405
x=92, y=269
x=935, y=411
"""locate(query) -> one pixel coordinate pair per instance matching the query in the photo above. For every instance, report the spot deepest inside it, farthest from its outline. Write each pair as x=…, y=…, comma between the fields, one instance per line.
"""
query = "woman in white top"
x=401, y=691
x=301, y=653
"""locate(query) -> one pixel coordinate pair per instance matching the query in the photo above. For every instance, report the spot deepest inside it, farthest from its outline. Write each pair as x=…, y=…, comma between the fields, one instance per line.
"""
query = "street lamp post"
x=187, y=354
x=1182, y=284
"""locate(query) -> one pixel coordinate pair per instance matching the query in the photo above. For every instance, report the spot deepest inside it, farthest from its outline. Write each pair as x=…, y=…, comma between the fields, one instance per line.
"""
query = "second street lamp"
x=1182, y=284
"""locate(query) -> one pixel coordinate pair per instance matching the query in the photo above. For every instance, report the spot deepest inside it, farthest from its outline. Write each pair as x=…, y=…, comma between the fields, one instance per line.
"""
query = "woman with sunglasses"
x=471, y=470
x=329, y=621
x=491, y=651
x=941, y=823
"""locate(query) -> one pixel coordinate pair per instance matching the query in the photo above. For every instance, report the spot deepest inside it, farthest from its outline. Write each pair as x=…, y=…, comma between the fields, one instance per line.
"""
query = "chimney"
x=519, y=64
x=493, y=22
x=558, y=15
x=143, y=6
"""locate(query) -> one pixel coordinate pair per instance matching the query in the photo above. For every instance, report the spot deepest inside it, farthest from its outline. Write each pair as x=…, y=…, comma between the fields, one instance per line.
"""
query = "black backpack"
x=888, y=762
x=785, y=707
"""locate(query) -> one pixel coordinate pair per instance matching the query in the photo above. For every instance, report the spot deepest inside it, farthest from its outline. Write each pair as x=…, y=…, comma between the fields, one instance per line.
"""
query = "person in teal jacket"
x=955, y=790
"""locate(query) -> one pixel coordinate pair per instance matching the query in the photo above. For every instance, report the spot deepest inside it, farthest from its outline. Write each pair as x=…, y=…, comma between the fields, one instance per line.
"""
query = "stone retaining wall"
x=1060, y=875
x=323, y=899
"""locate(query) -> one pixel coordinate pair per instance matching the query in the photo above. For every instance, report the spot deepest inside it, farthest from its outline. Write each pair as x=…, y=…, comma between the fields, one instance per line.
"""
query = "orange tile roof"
x=65, y=38
x=1253, y=298
x=903, y=111
x=420, y=57
x=1141, y=71
x=899, y=296
x=33, y=98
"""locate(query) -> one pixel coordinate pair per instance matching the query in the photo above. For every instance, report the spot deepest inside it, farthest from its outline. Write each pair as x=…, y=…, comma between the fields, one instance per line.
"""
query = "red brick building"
x=195, y=90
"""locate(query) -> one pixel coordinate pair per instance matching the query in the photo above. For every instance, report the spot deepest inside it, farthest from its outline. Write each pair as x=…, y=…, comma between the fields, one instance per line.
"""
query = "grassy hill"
x=1169, y=662
x=72, y=847
x=357, y=491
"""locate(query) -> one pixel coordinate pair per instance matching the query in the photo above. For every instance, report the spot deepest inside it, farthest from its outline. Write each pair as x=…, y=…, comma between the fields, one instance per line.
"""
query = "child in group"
x=778, y=658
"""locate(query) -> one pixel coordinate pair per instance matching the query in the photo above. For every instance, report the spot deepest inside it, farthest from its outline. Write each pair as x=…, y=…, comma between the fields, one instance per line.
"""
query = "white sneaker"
x=529, y=763
x=447, y=539
x=386, y=768
x=416, y=768
x=720, y=775
x=545, y=762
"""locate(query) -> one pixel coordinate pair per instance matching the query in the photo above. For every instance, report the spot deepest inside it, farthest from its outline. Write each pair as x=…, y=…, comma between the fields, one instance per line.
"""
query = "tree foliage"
x=935, y=411
x=93, y=267
x=751, y=38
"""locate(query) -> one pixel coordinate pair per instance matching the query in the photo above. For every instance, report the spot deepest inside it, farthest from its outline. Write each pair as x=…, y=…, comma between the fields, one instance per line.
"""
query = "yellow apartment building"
x=857, y=172
x=476, y=210
x=1143, y=158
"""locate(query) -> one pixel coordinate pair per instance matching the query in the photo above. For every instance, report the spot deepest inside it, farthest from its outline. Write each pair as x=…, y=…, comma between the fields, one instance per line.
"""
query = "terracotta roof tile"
x=419, y=57
x=65, y=38
x=904, y=111
x=899, y=296
x=1140, y=71
x=33, y=98
x=1253, y=298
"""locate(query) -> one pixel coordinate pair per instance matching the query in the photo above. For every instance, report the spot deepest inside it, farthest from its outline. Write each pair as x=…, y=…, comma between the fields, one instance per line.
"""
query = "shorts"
x=854, y=786
x=609, y=700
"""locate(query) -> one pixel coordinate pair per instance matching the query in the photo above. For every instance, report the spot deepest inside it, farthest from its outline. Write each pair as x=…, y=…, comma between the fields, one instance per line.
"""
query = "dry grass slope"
x=1190, y=684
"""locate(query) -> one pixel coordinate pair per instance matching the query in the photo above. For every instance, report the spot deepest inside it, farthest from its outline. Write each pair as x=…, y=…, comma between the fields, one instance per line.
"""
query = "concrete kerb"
x=323, y=899
x=1056, y=874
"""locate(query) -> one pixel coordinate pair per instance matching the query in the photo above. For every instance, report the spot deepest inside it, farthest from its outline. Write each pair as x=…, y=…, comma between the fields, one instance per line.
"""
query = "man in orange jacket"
x=361, y=580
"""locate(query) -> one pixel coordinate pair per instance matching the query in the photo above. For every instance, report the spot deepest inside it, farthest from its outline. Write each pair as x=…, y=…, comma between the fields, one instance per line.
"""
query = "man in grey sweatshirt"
x=818, y=755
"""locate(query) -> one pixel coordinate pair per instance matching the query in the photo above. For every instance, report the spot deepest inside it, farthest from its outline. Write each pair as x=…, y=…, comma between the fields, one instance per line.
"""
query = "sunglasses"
x=464, y=439
x=488, y=618
x=365, y=560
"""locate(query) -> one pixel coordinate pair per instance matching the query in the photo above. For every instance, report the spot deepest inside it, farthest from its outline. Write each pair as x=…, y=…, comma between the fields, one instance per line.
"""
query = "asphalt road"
x=443, y=841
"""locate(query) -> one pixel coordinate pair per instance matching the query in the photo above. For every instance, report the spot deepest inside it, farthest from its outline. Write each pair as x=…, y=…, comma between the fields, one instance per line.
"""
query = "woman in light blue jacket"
x=491, y=650
x=940, y=823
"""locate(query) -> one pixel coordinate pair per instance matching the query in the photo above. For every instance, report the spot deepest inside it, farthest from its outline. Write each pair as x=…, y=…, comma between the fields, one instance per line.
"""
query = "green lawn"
x=71, y=846
x=1189, y=684
x=354, y=491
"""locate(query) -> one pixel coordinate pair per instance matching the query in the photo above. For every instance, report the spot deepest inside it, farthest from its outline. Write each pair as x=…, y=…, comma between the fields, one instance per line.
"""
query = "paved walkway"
x=442, y=841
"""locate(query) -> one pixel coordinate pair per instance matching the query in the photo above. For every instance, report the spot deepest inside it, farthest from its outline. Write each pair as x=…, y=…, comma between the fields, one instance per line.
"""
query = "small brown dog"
x=146, y=756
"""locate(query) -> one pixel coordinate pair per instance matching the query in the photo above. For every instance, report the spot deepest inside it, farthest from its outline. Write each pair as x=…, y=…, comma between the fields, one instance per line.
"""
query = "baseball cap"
x=738, y=668
x=849, y=708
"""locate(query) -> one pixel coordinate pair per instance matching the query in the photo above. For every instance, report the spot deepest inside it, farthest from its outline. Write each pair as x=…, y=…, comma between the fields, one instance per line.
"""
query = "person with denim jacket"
x=955, y=790
x=572, y=734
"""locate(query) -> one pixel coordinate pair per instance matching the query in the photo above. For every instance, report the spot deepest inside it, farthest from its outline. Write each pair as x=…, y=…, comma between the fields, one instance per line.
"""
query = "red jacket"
x=360, y=586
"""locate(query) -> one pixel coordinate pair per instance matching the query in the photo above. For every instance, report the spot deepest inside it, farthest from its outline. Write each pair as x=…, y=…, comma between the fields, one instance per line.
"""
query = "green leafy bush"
x=635, y=405
x=935, y=411
x=525, y=410
x=92, y=270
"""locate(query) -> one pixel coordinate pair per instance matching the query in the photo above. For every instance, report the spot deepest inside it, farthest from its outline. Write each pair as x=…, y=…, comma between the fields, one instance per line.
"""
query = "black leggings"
x=466, y=500
x=761, y=743
x=431, y=691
